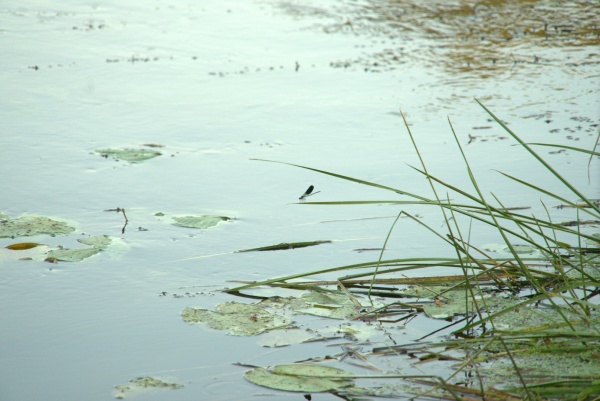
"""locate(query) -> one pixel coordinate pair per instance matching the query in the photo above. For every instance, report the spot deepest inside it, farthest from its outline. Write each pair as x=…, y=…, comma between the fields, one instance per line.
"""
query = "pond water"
x=218, y=83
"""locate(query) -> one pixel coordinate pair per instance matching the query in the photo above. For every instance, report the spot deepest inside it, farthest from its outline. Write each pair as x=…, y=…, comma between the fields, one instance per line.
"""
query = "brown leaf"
x=23, y=245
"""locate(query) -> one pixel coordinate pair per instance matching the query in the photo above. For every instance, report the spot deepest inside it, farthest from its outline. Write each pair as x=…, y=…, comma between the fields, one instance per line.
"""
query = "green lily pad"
x=237, y=318
x=305, y=378
x=27, y=226
x=129, y=155
x=199, y=221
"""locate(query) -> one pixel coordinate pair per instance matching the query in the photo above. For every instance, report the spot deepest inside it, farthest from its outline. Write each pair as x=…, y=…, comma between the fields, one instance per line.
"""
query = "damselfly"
x=309, y=192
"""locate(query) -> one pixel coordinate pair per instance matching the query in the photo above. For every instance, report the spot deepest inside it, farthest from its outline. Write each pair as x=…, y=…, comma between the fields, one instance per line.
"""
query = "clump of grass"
x=569, y=289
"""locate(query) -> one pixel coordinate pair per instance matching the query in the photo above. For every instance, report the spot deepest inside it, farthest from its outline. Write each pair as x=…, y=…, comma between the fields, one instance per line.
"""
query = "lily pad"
x=199, y=221
x=129, y=155
x=142, y=385
x=448, y=303
x=237, y=318
x=329, y=305
x=72, y=255
x=98, y=241
x=519, y=249
x=305, y=378
x=27, y=226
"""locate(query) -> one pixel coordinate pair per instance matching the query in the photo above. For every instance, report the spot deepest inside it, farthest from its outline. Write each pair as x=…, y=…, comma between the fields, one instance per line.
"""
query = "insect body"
x=309, y=192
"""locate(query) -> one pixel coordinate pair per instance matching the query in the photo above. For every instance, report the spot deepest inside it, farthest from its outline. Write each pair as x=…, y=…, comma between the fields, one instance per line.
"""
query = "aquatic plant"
x=539, y=301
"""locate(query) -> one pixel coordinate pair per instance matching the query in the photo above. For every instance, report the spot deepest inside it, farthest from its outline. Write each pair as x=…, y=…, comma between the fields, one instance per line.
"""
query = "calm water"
x=218, y=83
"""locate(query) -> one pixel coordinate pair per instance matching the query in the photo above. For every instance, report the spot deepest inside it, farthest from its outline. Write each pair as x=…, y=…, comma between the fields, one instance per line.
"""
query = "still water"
x=219, y=83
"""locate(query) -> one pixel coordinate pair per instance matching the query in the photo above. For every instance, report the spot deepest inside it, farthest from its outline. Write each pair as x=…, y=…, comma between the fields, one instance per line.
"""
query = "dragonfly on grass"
x=309, y=192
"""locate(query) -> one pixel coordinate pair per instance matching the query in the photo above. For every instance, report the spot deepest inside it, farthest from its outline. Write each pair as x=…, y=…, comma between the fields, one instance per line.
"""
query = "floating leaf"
x=72, y=255
x=199, y=221
x=285, y=246
x=330, y=305
x=129, y=155
x=98, y=241
x=35, y=253
x=448, y=303
x=33, y=225
x=239, y=319
x=306, y=378
x=519, y=249
x=284, y=338
x=142, y=385
x=22, y=246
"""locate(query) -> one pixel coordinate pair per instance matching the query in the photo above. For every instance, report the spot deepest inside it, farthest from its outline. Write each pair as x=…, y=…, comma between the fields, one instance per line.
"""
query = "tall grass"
x=570, y=288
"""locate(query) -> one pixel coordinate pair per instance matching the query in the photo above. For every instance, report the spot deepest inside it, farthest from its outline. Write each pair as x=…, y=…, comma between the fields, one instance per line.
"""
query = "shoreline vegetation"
x=525, y=326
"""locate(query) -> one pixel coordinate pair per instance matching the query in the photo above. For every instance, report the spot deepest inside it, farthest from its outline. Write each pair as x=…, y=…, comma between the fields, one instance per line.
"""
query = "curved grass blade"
x=553, y=145
x=541, y=160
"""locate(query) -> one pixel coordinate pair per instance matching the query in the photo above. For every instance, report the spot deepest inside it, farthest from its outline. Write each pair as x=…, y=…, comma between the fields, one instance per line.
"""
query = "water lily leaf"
x=329, y=305
x=129, y=155
x=306, y=378
x=72, y=255
x=284, y=338
x=237, y=318
x=98, y=241
x=142, y=385
x=447, y=303
x=22, y=246
x=199, y=221
x=33, y=225
x=504, y=249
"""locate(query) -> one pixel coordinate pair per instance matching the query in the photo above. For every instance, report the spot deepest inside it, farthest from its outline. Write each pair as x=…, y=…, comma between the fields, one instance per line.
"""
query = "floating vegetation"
x=71, y=255
x=199, y=221
x=27, y=226
x=96, y=244
x=237, y=319
x=285, y=246
x=276, y=313
x=305, y=378
x=141, y=385
x=129, y=155
x=327, y=304
x=97, y=241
